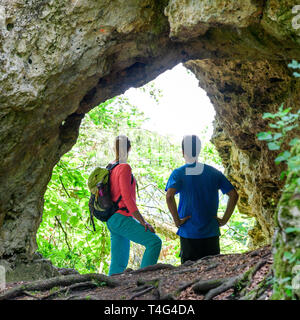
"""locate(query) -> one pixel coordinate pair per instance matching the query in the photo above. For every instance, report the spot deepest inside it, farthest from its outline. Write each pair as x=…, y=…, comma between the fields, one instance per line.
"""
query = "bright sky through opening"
x=183, y=109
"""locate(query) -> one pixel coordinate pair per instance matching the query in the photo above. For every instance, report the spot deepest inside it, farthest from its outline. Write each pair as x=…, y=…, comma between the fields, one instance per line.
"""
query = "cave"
x=61, y=59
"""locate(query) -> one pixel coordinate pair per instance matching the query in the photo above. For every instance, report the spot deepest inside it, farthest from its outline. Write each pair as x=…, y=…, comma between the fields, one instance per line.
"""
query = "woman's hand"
x=141, y=220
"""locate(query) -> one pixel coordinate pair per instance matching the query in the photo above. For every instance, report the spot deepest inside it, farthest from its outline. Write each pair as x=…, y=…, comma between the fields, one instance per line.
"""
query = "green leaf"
x=268, y=115
x=283, y=157
x=284, y=280
x=277, y=136
x=292, y=229
x=294, y=163
x=288, y=118
x=283, y=174
x=287, y=110
x=281, y=123
x=64, y=217
x=273, y=146
x=274, y=126
x=73, y=221
x=287, y=254
x=294, y=142
x=294, y=65
x=264, y=136
x=294, y=166
x=289, y=128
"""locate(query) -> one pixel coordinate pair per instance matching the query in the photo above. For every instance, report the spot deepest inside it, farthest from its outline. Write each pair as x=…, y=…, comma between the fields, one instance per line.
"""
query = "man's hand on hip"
x=180, y=222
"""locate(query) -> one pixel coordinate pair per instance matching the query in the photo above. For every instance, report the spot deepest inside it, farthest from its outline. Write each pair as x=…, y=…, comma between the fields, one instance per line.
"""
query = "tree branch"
x=60, y=179
x=65, y=233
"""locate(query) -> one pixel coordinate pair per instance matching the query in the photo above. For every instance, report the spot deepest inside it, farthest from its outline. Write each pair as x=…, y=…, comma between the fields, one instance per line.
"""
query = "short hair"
x=191, y=146
x=122, y=146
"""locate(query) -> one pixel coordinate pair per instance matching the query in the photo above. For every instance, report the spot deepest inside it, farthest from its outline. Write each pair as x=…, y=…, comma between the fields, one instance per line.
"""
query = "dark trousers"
x=195, y=249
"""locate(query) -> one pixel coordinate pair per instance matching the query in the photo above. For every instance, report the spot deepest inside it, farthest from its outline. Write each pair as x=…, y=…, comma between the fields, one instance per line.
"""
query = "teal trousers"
x=123, y=230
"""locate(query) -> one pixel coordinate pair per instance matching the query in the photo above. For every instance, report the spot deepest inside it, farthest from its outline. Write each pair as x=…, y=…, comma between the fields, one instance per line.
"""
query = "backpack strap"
x=110, y=166
x=137, y=189
x=92, y=209
x=123, y=208
x=137, y=186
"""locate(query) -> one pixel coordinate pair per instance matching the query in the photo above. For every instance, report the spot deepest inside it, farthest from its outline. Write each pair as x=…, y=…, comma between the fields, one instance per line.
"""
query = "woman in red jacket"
x=127, y=224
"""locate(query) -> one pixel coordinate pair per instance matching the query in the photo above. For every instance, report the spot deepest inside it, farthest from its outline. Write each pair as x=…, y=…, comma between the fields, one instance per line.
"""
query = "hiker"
x=196, y=217
x=127, y=224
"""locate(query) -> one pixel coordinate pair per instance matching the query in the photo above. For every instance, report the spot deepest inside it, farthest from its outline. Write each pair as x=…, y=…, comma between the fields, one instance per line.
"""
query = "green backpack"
x=101, y=205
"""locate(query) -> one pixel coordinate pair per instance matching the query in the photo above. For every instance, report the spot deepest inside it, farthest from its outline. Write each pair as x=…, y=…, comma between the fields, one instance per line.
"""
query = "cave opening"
x=155, y=117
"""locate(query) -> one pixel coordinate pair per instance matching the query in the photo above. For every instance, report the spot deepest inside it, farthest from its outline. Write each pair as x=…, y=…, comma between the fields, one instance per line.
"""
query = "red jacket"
x=120, y=184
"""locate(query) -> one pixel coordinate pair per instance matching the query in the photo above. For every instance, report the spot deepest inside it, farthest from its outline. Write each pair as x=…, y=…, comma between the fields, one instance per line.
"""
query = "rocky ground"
x=223, y=277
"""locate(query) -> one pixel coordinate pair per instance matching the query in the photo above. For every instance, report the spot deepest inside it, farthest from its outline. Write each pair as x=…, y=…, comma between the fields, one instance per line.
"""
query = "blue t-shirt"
x=198, y=198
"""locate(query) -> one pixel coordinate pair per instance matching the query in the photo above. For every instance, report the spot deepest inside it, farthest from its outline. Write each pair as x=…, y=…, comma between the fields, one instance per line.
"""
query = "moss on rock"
x=286, y=245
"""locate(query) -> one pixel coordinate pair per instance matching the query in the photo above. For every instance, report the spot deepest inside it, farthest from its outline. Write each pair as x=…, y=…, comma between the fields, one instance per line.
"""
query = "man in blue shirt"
x=198, y=186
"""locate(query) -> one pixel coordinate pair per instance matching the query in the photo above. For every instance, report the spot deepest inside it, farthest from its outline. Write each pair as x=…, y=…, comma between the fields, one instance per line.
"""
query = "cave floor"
x=167, y=282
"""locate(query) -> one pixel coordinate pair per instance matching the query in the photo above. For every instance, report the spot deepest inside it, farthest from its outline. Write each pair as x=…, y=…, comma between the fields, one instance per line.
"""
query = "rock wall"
x=59, y=59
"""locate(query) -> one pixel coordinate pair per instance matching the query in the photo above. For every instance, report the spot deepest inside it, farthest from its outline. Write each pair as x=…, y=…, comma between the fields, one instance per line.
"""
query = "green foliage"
x=295, y=65
x=234, y=235
x=154, y=92
x=283, y=121
x=292, y=229
x=65, y=235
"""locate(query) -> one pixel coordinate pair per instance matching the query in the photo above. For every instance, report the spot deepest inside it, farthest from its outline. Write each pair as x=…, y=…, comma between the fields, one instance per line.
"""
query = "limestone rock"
x=34, y=270
x=281, y=17
x=191, y=18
